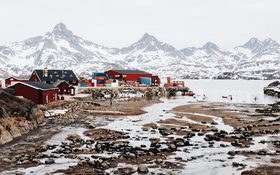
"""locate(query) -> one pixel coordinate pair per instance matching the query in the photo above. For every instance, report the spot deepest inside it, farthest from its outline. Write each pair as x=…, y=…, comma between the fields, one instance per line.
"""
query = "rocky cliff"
x=17, y=117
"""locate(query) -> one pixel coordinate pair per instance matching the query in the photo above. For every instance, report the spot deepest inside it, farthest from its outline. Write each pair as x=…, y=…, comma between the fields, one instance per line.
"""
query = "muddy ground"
x=243, y=118
x=78, y=116
x=182, y=140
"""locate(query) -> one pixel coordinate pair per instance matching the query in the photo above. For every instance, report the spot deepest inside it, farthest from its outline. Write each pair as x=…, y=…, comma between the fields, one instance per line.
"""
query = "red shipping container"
x=99, y=85
x=99, y=78
x=88, y=84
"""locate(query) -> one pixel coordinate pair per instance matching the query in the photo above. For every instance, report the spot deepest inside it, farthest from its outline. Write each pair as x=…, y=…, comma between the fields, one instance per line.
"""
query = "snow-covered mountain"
x=254, y=60
x=257, y=59
x=61, y=49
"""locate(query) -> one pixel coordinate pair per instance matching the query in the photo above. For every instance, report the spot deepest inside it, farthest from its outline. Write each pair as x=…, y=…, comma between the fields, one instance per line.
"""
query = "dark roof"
x=131, y=72
x=58, y=83
x=38, y=85
x=55, y=75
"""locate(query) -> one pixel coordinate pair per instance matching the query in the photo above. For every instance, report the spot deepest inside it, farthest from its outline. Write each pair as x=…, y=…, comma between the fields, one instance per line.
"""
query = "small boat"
x=229, y=97
x=190, y=93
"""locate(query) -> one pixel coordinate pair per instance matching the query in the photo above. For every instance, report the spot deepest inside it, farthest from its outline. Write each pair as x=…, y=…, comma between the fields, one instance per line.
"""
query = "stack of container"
x=101, y=79
x=85, y=83
x=88, y=83
x=108, y=83
x=82, y=83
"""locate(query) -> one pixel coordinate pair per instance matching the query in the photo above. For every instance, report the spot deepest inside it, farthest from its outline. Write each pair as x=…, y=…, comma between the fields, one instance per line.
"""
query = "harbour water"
x=242, y=91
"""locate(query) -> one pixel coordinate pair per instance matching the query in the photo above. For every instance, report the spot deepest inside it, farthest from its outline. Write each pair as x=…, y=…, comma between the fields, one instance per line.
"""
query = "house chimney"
x=45, y=72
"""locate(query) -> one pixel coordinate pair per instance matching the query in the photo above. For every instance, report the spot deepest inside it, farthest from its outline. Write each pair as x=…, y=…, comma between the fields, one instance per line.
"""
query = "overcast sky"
x=118, y=23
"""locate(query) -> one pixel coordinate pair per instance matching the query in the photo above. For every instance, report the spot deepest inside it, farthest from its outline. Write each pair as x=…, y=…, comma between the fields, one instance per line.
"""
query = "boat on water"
x=190, y=93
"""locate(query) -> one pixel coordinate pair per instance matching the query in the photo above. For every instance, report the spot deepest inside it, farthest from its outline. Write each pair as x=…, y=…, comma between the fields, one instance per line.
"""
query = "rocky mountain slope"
x=61, y=49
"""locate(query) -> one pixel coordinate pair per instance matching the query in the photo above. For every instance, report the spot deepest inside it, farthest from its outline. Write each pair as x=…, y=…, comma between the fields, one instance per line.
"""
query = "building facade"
x=64, y=88
x=135, y=76
x=38, y=92
x=13, y=80
x=128, y=75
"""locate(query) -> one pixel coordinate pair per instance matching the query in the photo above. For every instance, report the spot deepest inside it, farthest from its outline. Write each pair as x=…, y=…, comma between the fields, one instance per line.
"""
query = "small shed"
x=64, y=87
x=38, y=92
x=155, y=80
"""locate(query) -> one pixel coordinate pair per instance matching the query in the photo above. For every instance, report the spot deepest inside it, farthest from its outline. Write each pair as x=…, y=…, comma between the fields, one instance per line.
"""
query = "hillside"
x=17, y=117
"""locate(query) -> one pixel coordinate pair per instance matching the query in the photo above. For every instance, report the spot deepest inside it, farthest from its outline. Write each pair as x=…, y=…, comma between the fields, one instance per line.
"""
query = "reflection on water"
x=236, y=91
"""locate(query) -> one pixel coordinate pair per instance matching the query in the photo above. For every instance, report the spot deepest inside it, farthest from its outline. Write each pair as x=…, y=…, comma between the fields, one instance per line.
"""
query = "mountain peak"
x=210, y=46
x=261, y=47
x=61, y=30
x=149, y=43
x=269, y=41
x=60, y=27
x=252, y=43
x=148, y=38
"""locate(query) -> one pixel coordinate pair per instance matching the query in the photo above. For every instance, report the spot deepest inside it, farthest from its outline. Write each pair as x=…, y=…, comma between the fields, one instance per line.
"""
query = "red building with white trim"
x=13, y=80
x=64, y=88
x=38, y=92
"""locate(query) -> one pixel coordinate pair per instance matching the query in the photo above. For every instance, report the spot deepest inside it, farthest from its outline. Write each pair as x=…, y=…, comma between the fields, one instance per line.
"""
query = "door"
x=72, y=91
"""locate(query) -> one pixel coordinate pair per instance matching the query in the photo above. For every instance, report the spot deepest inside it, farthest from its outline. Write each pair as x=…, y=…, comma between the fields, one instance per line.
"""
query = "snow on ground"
x=55, y=112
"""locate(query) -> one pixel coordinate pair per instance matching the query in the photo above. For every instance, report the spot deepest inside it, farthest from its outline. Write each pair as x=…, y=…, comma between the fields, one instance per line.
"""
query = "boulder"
x=49, y=161
x=142, y=169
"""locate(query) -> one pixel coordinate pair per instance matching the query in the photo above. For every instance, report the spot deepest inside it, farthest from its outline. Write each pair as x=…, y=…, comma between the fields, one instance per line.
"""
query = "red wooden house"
x=13, y=80
x=38, y=92
x=64, y=87
x=174, y=83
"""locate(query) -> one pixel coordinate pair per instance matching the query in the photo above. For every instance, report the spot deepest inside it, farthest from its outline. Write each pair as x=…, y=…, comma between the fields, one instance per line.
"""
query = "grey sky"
x=118, y=23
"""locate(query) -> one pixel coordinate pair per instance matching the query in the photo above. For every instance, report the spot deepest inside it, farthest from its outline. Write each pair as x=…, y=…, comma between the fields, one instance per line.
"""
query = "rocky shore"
x=164, y=138
x=256, y=133
x=273, y=89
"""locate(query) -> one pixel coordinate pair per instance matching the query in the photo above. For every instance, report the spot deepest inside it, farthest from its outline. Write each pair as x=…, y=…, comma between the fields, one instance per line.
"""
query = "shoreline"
x=176, y=122
x=242, y=118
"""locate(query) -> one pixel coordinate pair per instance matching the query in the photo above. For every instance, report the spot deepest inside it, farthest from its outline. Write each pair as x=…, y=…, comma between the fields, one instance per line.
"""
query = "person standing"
x=111, y=100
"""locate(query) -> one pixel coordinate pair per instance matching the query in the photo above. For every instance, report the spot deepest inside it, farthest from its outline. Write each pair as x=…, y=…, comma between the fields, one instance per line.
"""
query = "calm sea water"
x=242, y=91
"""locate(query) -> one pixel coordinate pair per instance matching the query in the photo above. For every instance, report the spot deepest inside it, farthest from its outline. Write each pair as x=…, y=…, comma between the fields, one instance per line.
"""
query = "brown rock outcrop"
x=17, y=117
